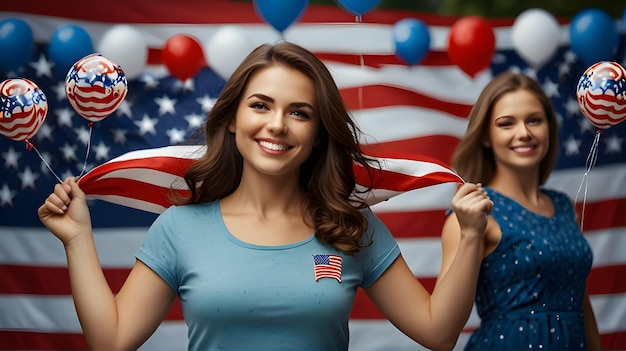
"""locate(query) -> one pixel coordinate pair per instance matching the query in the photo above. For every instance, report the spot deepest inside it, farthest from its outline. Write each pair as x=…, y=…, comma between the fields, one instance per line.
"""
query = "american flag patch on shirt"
x=327, y=266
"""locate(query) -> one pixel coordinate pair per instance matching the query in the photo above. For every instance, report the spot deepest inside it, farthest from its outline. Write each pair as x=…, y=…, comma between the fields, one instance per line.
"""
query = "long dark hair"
x=327, y=179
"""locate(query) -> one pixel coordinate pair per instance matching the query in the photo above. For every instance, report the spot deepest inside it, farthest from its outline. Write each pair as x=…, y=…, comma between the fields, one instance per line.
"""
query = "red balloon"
x=471, y=44
x=183, y=56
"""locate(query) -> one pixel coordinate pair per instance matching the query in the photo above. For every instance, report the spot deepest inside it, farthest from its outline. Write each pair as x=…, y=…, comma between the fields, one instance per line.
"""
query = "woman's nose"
x=277, y=125
x=525, y=132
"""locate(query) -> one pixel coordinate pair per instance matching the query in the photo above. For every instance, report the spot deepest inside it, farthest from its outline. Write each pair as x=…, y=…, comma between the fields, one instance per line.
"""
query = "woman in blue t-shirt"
x=269, y=247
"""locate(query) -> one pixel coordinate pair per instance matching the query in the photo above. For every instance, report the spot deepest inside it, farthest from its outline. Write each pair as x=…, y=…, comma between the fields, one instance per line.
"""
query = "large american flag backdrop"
x=419, y=109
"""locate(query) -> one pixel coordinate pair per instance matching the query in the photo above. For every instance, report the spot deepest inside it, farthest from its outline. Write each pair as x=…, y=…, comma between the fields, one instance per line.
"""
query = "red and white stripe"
x=332, y=269
x=25, y=108
x=142, y=179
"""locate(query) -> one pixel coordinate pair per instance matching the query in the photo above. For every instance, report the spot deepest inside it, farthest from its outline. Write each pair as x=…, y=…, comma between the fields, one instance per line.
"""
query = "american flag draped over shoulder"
x=419, y=110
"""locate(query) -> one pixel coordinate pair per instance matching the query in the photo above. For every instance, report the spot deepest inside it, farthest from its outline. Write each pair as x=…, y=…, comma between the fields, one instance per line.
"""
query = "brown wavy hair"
x=474, y=161
x=327, y=179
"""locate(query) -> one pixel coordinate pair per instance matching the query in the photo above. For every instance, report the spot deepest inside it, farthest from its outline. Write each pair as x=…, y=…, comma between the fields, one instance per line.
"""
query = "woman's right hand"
x=65, y=212
x=471, y=206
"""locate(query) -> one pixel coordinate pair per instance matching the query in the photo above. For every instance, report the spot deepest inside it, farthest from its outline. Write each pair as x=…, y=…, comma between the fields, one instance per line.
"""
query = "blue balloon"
x=16, y=44
x=69, y=43
x=412, y=40
x=280, y=14
x=358, y=7
x=593, y=36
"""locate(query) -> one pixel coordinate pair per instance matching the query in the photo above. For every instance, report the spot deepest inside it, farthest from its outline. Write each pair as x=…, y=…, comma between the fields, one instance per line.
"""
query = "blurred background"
x=497, y=8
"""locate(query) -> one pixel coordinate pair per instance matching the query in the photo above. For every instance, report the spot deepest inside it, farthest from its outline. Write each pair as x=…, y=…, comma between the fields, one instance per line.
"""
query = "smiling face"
x=519, y=134
x=276, y=126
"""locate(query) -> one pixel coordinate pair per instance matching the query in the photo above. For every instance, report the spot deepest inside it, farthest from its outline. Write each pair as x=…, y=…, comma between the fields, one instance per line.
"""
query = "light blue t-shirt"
x=239, y=296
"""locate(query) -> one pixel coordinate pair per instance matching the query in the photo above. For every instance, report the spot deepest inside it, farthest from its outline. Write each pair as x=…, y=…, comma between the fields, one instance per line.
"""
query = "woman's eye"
x=504, y=124
x=300, y=114
x=258, y=105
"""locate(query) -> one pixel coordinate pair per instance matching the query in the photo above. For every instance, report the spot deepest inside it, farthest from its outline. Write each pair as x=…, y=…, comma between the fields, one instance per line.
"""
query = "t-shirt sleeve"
x=384, y=250
x=158, y=250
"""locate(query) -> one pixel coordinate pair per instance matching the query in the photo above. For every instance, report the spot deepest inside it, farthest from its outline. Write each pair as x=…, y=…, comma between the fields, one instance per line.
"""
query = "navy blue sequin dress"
x=531, y=287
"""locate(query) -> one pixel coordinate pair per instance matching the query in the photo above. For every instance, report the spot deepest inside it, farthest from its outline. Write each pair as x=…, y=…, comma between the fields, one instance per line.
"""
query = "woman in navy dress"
x=531, y=289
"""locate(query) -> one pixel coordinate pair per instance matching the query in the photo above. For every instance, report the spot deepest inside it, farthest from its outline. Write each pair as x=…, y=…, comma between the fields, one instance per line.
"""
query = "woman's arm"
x=436, y=320
x=592, y=334
x=108, y=322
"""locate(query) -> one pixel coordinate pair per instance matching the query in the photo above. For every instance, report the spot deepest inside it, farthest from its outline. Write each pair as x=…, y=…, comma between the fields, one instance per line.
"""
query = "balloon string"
x=362, y=63
x=87, y=153
x=590, y=163
x=30, y=146
x=358, y=19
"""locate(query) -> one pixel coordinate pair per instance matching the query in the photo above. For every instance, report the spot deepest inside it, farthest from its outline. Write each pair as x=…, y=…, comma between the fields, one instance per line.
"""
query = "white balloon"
x=226, y=49
x=536, y=36
x=127, y=47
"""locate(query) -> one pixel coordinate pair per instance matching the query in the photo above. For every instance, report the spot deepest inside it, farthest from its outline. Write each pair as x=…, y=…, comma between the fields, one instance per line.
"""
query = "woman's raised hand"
x=471, y=206
x=65, y=212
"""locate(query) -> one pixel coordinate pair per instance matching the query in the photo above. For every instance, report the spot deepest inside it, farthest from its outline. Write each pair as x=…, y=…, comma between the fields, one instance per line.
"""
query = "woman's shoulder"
x=189, y=209
x=177, y=218
x=552, y=193
x=376, y=228
x=495, y=195
x=556, y=195
x=373, y=220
